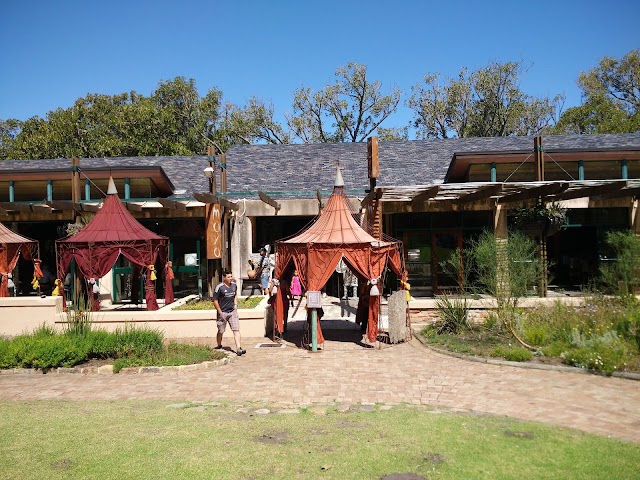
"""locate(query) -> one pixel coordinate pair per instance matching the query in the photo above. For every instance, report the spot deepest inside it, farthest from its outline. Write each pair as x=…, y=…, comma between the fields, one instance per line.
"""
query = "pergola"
x=333, y=235
x=12, y=245
x=111, y=233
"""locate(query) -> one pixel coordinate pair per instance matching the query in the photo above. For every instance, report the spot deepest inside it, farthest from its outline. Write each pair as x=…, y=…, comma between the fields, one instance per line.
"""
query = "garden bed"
x=603, y=335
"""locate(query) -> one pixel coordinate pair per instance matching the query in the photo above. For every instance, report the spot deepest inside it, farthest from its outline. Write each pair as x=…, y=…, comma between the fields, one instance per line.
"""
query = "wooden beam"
x=41, y=208
x=88, y=207
x=372, y=157
x=268, y=200
x=171, y=204
x=213, y=199
x=134, y=207
x=426, y=194
x=64, y=205
x=4, y=212
x=627, y=192
x=595, y=191
x=16, y=207
x=482, y=193
x=535, y=192
x=319, y=196
x=375, y=194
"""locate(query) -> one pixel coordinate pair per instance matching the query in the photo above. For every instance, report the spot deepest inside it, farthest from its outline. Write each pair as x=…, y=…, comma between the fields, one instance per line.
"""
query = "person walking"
x=226, y=304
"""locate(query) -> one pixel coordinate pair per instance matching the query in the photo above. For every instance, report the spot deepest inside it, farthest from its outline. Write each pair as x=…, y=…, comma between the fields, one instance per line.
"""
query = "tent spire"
x=112, y=190
x=339, y=181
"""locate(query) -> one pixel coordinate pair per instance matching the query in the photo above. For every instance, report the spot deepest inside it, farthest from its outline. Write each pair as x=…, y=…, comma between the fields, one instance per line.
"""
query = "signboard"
x=214, y=231
x=314, y=299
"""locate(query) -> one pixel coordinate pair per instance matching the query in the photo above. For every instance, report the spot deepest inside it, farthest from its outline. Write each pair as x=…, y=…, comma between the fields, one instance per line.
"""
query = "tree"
x=173, y=120
x=348, y=111
x=9, y=130
x=484, y=103
x=611, y=98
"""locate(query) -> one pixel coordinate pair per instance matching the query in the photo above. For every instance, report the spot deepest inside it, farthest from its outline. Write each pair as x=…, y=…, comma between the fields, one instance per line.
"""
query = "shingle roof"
x=294, y=169
x=184, y=172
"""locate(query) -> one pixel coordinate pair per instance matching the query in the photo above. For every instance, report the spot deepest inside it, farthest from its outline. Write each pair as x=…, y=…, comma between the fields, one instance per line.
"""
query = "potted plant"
x=540, y=219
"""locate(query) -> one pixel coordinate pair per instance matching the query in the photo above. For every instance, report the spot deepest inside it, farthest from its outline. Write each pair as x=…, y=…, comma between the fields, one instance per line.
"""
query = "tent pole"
x=314, y=330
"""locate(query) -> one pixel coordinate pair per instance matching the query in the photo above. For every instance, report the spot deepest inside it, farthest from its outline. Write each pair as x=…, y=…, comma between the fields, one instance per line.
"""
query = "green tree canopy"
x=611, y=98
x=485, y=103
x=349, y=110
x=173, y=120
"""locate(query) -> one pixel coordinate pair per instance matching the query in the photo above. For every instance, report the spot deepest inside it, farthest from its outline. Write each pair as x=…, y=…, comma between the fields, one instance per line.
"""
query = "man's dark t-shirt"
x=225, y=296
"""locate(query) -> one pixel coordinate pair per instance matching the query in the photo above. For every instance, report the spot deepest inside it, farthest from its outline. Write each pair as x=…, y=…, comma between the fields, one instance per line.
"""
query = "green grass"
x=137, y=439
x=171, y=354
x=250, y=302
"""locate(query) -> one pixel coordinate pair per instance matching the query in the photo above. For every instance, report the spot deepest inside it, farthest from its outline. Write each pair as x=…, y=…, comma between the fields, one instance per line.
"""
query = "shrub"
x=8, y=358
x=132, y=340
x=48, y=351
x=603, y=357
x=513, y=354
x=623, y=274
x=453, y=314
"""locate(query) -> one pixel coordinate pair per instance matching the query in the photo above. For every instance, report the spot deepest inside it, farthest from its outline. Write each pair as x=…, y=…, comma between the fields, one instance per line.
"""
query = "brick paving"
x=346, y=372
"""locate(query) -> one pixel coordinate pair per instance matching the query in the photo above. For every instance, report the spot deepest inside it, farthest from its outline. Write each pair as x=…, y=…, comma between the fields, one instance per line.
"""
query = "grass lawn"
x=137, y=439
x=249, y=302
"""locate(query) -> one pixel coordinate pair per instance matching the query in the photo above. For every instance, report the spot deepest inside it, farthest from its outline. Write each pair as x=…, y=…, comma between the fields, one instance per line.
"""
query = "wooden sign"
x=214, y=231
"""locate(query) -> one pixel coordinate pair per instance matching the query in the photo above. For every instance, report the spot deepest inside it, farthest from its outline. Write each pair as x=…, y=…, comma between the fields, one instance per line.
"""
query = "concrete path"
x=348, y=372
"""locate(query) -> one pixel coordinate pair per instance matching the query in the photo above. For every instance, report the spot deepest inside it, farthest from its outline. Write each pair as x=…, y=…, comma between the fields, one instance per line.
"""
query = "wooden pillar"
x=634, y=216
x=374, y=209
x=542, y=240
x=501, y=234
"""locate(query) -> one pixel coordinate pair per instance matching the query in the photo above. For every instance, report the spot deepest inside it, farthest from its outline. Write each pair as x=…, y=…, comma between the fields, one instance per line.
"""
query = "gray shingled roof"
x=184, y=172
x=298, y=170
x=418, y=162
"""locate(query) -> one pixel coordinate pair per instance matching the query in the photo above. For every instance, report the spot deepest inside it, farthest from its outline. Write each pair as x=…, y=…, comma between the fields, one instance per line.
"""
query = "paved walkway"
x=348, y=372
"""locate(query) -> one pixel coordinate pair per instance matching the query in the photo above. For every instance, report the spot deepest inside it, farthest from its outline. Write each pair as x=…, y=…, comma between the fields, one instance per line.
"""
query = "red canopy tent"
x=335, y=234
x=113, y=232
x=12, y=245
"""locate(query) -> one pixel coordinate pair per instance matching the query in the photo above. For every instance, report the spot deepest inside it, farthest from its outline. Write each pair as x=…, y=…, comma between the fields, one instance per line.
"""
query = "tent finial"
x=112, y=190
x=339, y=181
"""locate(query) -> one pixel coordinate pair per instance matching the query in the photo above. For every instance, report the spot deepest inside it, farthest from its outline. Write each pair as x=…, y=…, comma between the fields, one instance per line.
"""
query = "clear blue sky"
x=56, y=52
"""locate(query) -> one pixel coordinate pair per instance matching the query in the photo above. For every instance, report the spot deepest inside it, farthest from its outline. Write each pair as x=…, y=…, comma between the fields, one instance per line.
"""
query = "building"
x=434, y=195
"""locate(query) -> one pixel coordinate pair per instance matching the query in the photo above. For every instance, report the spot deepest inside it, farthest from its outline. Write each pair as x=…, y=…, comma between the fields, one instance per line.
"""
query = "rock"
x=262, y=411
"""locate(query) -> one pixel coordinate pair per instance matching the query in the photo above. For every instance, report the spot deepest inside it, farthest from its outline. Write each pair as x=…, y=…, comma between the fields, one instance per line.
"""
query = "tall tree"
x=349, y=110
x=485, y=103
x=173, y=120
x=611, y=98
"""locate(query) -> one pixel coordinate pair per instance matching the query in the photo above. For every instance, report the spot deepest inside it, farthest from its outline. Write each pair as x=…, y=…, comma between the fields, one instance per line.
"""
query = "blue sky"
x=56, y=52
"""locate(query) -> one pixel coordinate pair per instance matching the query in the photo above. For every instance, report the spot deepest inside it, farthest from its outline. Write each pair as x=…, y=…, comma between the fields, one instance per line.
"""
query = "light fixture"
x=209, y=172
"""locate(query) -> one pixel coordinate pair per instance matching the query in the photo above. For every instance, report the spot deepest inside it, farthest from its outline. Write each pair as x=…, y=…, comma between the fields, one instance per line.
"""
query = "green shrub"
x=48, y=351
x=132, y=340
x=623, y=274
x=604, y=357
x=8, y=358
x=513, y=354
x=453, y=314
x=102, y=344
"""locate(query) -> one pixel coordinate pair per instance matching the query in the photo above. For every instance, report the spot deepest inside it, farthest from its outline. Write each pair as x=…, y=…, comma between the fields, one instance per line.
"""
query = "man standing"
x=226, y=303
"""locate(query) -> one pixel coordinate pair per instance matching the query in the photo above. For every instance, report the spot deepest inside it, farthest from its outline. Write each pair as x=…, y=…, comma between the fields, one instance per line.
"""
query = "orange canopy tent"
x=12, y=245
x=316, y=251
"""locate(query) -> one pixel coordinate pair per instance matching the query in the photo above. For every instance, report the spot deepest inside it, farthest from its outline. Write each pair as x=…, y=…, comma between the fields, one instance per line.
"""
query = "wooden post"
x=543, y=283
x=501, y=234
x=375, y=205
x=76, y=190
